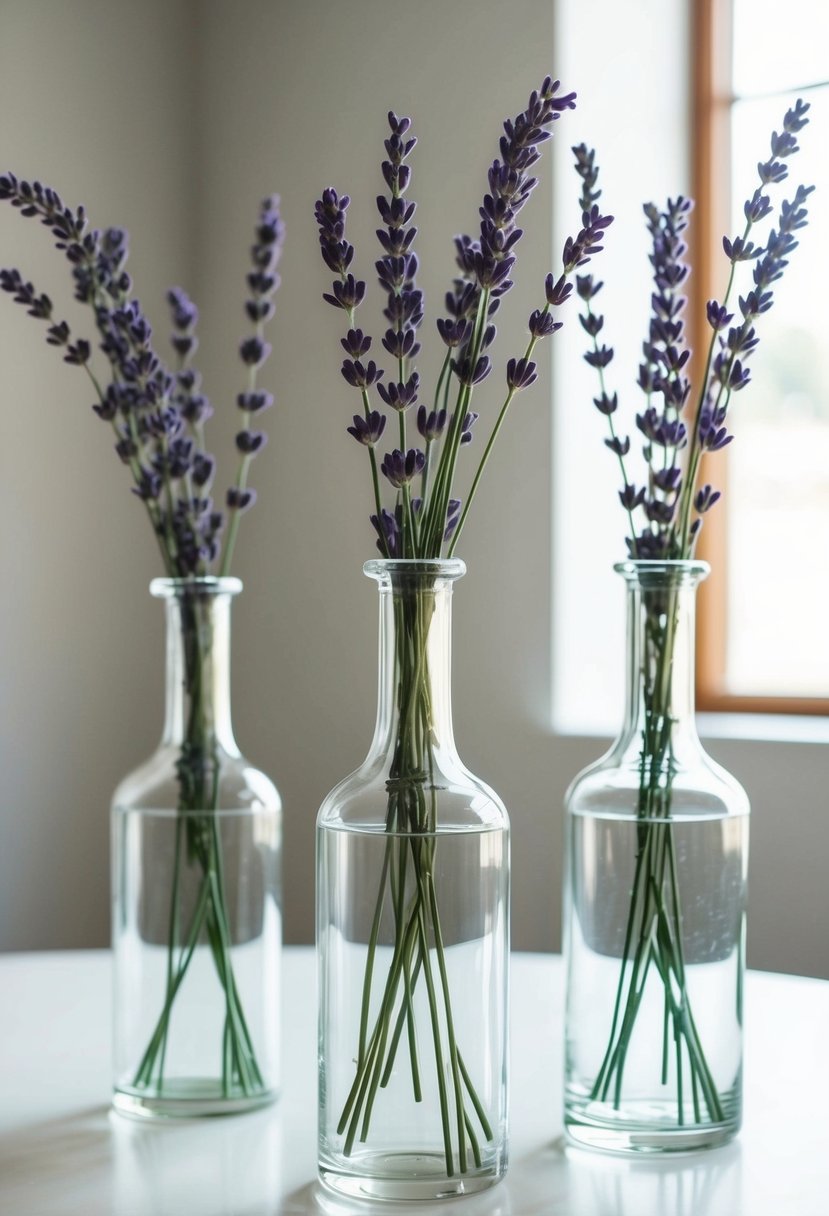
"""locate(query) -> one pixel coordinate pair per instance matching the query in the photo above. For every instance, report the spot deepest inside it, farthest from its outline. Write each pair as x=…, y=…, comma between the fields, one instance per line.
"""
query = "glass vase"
x=655, y=896
x=413, y=930
x=196, y=919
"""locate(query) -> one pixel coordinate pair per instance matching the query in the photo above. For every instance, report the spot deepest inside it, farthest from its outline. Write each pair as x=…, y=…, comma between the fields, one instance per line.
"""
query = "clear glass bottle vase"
x=196, y=914
x=654, y=904
x=413, y=930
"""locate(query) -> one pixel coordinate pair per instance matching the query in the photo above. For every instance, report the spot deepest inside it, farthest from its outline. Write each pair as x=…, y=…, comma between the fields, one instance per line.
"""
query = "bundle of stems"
x=424, y=523
x=408, y=887
x=674, y=503
x=157, y=415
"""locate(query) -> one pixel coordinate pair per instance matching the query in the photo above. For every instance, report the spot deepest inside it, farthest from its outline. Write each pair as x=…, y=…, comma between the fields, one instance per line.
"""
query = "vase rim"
x=439, y=567
x=202, y=585
x=686, y=570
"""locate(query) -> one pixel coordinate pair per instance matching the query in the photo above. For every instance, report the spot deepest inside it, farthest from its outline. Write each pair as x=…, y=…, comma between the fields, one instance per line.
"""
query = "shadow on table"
x=65, y=1158
x=562, y=1179
x=315, y=1200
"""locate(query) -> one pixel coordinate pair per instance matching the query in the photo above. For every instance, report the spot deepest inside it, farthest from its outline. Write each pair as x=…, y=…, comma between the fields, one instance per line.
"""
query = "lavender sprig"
x=522, y=372
x=348, y=293
x=485, y=265
x=672, y=501
x=263, y=281
x=157, y=415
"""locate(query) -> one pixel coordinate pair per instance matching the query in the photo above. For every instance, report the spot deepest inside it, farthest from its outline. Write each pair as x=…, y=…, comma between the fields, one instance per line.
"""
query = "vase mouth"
x=200, y=587
x=388, y=569
x=658, y=573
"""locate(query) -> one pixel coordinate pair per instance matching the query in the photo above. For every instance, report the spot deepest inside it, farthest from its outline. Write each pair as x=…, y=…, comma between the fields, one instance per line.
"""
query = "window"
x=764, y=643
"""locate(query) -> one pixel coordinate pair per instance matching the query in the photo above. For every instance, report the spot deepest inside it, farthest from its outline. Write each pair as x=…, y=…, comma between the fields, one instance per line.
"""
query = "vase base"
x=405, y=1177
x=636, y=1137
x=188, y=1098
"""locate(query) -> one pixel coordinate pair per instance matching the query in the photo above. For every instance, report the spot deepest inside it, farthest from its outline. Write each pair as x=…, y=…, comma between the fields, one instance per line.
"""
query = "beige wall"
x=173, y=118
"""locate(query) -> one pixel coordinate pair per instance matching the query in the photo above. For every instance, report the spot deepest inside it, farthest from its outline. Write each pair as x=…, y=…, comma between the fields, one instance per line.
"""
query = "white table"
x=63, y=1152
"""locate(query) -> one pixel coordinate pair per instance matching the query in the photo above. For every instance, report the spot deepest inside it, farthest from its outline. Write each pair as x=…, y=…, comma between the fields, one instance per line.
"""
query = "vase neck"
x=414, y=702
x=197, y=711
x=660, y=690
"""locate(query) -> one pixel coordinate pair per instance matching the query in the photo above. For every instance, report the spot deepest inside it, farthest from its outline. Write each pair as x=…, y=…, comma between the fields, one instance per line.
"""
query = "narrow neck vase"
x=413, y=930
x=196, y=835
x=655, y=893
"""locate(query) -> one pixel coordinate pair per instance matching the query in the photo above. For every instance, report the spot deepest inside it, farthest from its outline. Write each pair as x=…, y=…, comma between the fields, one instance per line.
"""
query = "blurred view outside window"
x=775, y=632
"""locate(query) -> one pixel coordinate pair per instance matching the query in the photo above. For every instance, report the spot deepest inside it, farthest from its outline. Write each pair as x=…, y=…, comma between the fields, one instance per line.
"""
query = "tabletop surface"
x=64, y=1153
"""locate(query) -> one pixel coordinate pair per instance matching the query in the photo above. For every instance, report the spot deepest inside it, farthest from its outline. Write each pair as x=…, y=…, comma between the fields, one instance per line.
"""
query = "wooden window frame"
x=711, y=102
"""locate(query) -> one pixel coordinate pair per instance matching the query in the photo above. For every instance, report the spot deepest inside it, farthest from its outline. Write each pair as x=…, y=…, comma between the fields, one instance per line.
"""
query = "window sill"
x=760, y=728
x=767, y=728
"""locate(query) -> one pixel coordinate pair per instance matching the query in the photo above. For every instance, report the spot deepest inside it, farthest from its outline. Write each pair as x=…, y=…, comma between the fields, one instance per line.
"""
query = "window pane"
x=777, y=642
x=779, y=46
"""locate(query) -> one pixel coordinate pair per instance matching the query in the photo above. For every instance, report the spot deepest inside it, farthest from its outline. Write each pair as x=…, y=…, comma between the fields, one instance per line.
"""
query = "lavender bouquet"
x=157, y=414
x=665, y=510
x=418, y=517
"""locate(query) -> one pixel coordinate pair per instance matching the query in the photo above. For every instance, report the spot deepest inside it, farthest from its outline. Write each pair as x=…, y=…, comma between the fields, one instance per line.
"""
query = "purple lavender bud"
x=795, y=119
x=591, y=323
x=606, y=405
x=57, y=335
x=521, y=373
x=254, y=403
x=355, y=343
x=184, y=345
x=771, y=172
x=660, y=512
x=757, y=207
x=431, y=423
x=179, y=457
x=718, y=317
x=469, y=375
x=396, y=241
x=164, y=424
x=453, y=514
x=255, y=310
x=368, y=430
x=401, y=467
x=739, y=376
x=667, y=479
x=587, y=287
x=240, y=500
x=399, y=396
x=713, y=435
x=599, y=358
x=251, y=442
x=739, y=250
x=619, y=447
x=149, y=486
x=401, y=343
x=126, y=450
x=387, y=532
x=196, y=409
x=466, y=427
x=183, y=311
x=108, y=408
x=542, y=325
x=631, y=498
x=705, y=498
x=78, y=353
x=557, y=290
x=492, y=273
x=203, y=466
x=395, y=212
x=347, y=294
x=253, y=352
x=454, y=333
x=755, y=303
x=361, y=375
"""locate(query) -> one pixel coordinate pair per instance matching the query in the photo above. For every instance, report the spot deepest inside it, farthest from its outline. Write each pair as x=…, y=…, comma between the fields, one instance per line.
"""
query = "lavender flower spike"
x=401, y=467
